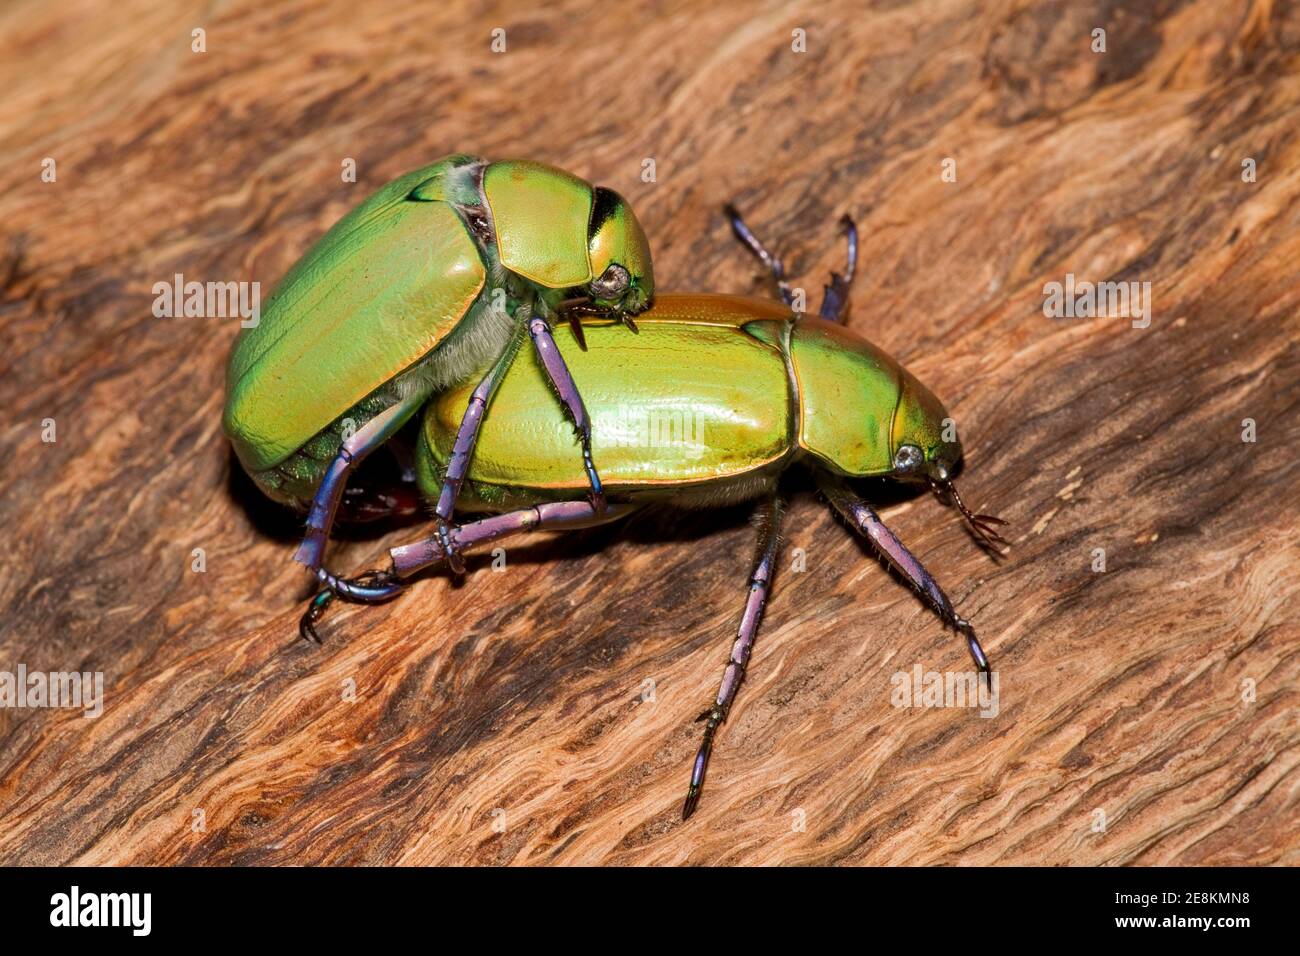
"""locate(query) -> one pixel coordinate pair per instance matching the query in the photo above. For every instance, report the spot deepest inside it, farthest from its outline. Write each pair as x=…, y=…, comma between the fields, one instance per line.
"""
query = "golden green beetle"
x=714, y=400
x=436, y=276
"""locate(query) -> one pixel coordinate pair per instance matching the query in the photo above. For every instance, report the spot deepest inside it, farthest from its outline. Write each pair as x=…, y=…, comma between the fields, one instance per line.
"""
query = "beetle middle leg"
x=760, y=583
x=863, y=518
x=370, y=436
x=835, y=295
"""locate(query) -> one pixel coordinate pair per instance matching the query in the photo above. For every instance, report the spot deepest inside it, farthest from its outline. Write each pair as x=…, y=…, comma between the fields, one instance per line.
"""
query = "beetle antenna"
x=981, y=526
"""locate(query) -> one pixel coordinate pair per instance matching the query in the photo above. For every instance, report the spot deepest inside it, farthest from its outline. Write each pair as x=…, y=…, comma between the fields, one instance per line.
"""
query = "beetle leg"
x=370, y=436
x=867, y=523
x=759, y=251
x=563, y=383
x=462, y=450
x=760, y=583
x=835, y=296
x=550, y=516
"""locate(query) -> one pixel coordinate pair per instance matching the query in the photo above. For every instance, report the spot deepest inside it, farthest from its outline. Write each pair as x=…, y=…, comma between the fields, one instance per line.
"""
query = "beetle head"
x=924, y=441
x=624, y=282
x=926, y=449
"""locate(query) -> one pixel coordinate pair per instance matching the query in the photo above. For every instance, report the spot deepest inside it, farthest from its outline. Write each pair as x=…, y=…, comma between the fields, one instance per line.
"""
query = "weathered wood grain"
x=522, y=691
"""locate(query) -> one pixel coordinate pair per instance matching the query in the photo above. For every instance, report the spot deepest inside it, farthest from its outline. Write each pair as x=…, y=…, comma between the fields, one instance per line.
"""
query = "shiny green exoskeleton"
x=713, y=400
x=710, y=402
x=425, y=283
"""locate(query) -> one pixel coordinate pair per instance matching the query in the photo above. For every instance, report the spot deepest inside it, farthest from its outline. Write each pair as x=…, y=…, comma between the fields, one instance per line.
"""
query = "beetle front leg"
x=567, y=389
x=462, y=450
x=867, y=523
x=370, y=436
x=760, y=583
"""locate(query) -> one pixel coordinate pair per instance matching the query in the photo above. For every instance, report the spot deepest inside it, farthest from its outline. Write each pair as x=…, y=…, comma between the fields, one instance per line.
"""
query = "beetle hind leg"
x=409, y=559
x=366, y=439
x=760, y=583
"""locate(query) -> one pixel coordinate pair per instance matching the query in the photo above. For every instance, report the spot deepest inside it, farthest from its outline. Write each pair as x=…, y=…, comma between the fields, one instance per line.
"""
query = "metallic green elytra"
x=709, y=403
x=414, y=290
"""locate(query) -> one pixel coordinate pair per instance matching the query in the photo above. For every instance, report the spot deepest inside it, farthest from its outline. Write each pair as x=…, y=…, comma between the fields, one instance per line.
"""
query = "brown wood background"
x=522, y=690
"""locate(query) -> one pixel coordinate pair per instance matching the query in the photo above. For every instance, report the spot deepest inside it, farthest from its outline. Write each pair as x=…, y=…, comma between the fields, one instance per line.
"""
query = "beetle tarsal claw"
x=306, y=624
x=575, y=324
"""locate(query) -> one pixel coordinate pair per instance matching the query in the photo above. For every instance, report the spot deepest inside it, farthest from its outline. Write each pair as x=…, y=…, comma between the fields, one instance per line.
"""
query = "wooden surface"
x=522, y=691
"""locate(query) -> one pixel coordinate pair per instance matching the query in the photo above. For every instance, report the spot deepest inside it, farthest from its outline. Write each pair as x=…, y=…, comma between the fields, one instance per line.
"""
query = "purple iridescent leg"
x=368, y=587
x=372, y=587
x=369, y=437
x=551, y=516
x=564, y=386
x=867, y=523
x=462, y=450
x=835, y=296
x=759, y=251
x=760, y=583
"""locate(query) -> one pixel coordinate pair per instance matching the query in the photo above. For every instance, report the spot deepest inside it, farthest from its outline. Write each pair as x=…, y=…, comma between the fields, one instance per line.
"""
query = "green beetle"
x=436, y=276
x=710, y=404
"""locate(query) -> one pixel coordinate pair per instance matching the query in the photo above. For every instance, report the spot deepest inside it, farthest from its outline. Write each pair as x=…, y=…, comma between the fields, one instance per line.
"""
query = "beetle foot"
x=450, y=553
x=597, y=494
x=715, y=717
x=368, y=587
x=967, y=630
x=306, y=624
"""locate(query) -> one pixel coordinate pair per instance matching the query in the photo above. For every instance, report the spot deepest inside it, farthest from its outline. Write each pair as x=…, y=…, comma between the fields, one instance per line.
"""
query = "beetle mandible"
x=765, y=388
x=439, y=274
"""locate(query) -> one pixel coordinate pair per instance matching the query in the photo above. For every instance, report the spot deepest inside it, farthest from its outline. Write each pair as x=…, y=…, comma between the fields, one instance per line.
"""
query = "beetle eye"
x=908, y=458
x=614, y=281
